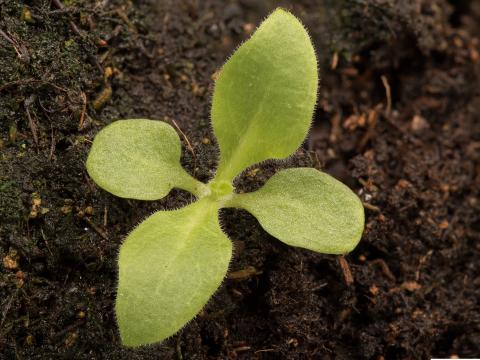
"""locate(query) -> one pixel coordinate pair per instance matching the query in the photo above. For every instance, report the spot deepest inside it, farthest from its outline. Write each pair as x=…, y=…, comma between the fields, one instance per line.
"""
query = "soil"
x=397, y=120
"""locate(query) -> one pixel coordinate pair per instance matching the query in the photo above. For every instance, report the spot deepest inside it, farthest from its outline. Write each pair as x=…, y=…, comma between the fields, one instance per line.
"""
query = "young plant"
x=173, y=262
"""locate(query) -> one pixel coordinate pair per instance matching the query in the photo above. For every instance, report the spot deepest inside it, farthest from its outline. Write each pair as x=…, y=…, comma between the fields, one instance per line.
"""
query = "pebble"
x=419, y=124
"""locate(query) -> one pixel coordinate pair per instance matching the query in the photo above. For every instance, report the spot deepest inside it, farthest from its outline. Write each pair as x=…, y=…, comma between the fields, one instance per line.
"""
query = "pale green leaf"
x=265, y=95
x=307, y=208
x=139, y=159
x=169, y=267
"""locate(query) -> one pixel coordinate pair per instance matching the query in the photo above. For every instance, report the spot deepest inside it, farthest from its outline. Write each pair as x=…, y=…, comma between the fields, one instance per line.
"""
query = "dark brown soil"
x=398, y=120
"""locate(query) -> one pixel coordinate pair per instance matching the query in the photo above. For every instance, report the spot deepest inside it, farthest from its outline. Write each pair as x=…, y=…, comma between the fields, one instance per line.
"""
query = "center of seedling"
x=220, y=189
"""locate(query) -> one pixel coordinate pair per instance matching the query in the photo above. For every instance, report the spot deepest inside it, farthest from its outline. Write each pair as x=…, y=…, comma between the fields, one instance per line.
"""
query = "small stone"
x=108, y=72
x=403, y=184
x=29, y=340
x=66, y=209
x=419, y=124
x=248, y=28
x=100, y=42
x=71, y=339
x=91, y=291
x=103, y=97
x=293, y=342
x=215, y=75
x=197, y=90
x=443, y=225
x=445, y=188
x=9, y=262
x=417, y=313
x=411, y=286
x=474, y=55
x=19, y=283
x=458, y=42
x=27, y=15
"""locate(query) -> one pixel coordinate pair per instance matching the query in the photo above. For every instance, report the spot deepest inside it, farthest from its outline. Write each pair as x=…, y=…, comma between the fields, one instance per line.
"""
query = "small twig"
x=336, y=131
x=21, y=50
x=84, y=109
x=96, y=228
x=334, y=63
x=385, y=269
x=31, y=123
x=388, y=93
x=371, y=207
x=318, y=287
x=189, y=145
x=52, y=145
x=46, y=241
x=372, y=123
x=242, y=348
x=6, y=37
x=6, y=309
x=244, y=274
x=105, y=216
x=265, y=350
x=347, y=273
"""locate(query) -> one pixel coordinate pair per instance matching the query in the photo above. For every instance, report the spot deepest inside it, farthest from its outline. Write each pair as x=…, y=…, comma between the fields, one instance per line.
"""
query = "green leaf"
x=169, y=267
x=307, y=208
x=265, y=96
x=139, y=159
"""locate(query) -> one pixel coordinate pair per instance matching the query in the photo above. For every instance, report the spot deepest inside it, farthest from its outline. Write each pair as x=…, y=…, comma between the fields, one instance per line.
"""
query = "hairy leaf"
x=307, y=208
x=139, y=159
x=169, y=267
x=265, y=95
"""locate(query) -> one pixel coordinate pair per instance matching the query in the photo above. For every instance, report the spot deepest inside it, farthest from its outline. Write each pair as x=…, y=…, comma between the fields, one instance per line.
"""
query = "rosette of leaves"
x=174, y=261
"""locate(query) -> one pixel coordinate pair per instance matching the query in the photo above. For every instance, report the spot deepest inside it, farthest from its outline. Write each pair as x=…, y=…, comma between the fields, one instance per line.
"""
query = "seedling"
x=173, y=262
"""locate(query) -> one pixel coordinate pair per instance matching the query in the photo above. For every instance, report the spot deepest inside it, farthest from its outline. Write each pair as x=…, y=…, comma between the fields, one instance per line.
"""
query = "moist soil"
x=397, y=119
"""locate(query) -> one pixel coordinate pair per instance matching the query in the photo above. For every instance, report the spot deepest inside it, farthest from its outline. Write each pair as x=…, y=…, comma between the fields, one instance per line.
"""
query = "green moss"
x=57, y=62
x=11, y=207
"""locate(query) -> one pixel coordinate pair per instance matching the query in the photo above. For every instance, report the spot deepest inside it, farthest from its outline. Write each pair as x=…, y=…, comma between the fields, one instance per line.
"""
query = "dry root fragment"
x=347, y=274
x=243, y=274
